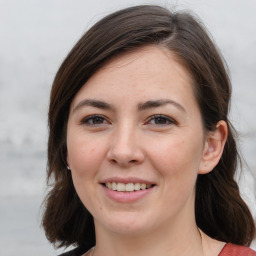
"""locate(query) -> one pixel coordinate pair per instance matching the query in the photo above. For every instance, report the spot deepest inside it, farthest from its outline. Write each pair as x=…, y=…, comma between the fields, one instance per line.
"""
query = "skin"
x=165, y=145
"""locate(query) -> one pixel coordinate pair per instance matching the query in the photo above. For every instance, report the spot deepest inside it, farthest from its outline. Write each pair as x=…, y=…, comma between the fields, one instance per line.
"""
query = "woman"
x=141, y=154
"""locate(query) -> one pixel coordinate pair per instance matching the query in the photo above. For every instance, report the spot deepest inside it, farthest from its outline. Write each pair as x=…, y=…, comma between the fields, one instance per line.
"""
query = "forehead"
x=152, y=57
x=149, y=69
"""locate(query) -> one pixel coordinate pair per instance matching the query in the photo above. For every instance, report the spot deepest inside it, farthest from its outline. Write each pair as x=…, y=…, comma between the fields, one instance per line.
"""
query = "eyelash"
x=168, y=120
x=90, y=119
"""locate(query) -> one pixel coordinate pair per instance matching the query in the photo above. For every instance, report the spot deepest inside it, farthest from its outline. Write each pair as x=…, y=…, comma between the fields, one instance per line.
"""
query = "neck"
x=172, y=241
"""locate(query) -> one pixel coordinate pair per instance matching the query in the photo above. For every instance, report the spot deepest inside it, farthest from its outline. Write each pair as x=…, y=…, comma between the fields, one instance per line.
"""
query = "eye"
x=94, y=120
x=160, y=120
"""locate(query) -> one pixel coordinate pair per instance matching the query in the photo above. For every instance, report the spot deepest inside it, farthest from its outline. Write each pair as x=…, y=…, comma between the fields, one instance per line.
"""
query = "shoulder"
x=236, y=250
x=75, y=252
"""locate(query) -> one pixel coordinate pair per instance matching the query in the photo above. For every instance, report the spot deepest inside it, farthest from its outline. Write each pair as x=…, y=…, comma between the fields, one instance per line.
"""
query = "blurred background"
x=35, y=36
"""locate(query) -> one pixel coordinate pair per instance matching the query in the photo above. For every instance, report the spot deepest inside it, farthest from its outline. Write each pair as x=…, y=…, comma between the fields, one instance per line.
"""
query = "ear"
x=213, y=148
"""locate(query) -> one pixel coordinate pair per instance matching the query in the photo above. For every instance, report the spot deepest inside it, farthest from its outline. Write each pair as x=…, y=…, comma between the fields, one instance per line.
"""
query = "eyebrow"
x=141, y=106
x=93, y=103
x=158, y=103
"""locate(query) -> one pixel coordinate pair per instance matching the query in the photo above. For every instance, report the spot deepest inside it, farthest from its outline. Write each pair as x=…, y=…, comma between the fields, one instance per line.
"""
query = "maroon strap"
x=236, y=250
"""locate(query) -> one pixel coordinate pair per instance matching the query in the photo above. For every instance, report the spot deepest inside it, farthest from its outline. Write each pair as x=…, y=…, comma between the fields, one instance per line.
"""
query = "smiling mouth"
x=127, y=187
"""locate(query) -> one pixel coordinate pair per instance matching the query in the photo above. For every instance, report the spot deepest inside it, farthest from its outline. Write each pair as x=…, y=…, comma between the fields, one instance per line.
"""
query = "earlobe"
x=213, y=148
x=68, y=165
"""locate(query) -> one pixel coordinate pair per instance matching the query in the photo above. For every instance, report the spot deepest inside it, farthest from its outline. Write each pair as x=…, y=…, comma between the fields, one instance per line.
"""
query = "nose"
x=125, y=149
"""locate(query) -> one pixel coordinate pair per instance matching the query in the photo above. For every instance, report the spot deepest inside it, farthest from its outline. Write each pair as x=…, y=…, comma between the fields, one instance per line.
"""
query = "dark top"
x=228, y=250
x=75, y=252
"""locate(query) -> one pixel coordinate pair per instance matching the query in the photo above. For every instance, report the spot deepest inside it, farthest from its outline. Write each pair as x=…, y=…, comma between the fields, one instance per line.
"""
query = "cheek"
x=84, y=156
x=168, y=153
x=177, y=158
x=85, y=160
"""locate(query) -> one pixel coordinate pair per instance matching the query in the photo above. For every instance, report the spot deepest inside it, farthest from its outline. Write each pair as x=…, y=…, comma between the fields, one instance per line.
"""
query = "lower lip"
x=126, y=197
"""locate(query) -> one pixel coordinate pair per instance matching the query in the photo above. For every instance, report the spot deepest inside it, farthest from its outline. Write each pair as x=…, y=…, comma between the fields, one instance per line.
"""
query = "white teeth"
x=120, y=187
x=114, y=186
x=143, y=186
x=129, y=187
x=137, y=186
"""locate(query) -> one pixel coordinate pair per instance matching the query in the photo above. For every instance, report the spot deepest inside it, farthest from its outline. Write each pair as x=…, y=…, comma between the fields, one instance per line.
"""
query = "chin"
x=126, y=223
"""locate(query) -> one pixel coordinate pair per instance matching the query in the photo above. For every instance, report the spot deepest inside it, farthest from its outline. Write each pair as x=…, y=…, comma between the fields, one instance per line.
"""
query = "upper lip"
x=127, y=180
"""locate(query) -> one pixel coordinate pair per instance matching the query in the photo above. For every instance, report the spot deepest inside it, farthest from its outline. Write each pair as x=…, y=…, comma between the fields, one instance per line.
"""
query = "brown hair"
x=220, y=211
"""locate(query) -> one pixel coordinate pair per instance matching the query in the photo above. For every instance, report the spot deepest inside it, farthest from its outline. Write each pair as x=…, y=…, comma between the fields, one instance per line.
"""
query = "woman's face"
x=135, y=143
